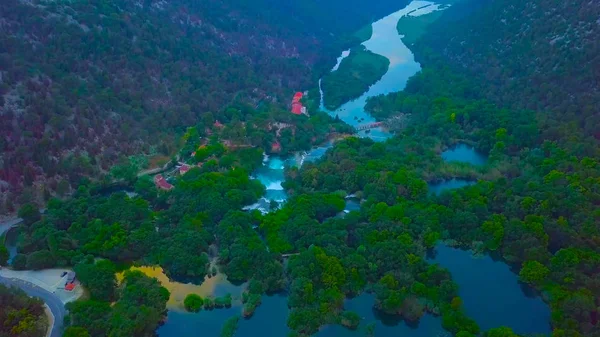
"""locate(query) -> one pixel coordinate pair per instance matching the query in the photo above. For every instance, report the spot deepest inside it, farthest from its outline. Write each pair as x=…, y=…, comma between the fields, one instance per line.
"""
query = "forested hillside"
x=534, y=54
x=84, y=83
x=518, y=79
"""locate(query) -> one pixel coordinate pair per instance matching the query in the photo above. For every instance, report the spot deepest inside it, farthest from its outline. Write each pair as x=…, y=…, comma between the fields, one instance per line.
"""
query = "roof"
x=184, y=169
x=297, y=108
x=297, y=97
x=276, y=147
x=218, y=124
x=70, y=286
x=162, y=183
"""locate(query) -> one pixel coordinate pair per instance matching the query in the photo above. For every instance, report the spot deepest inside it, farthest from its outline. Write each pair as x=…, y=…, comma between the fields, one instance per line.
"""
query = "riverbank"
x=356, y=73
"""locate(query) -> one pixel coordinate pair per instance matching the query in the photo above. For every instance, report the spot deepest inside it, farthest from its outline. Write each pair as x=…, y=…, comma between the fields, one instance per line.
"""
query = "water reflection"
x=215, y=286
x=492, y=294
x=385, y=325
x=465, y=154
x=439, y=187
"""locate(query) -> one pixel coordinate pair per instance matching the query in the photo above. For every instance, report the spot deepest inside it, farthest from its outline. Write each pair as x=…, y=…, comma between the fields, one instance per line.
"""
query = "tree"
x=76, y=331
x=99, y=278
x=41, y=259
x=193, y=303
x=20, y=262
x=350, y=319
x=533, y=272
x=4, y=255
x=501, y=332
x=30, y=214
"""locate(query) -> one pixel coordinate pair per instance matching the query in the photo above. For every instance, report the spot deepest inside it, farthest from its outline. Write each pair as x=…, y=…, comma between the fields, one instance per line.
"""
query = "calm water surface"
x=492, y=294
x=465, y=154
x=385, y=41
x=385, y=326
x=438, y=188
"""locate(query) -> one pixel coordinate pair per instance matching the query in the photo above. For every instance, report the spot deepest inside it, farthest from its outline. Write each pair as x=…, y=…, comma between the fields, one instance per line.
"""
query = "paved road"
x=55, y=305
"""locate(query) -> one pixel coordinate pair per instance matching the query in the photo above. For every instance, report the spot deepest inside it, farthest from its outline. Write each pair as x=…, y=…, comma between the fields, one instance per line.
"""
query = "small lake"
x=492, y=294
x=216, y=286
x=385, y=326
x=269, y=319
x=464, y=153
x=439, y=187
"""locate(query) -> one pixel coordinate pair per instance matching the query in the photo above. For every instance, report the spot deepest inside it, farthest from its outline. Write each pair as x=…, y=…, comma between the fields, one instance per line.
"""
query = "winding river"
x=270, y=318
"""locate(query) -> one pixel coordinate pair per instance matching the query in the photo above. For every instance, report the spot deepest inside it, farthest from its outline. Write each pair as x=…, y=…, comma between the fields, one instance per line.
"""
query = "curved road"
x=55, y=305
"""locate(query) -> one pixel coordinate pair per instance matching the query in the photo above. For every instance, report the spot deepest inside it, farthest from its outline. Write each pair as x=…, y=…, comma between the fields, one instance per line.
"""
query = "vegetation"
x=230, y=327
x=193, y=303
x=85, y=85
x=357, y=72
x=139, y=308
x=365, y=33
x=98, y=278
x=413, y=27
x=535, y=203
x=496, y=44
x=21, y=315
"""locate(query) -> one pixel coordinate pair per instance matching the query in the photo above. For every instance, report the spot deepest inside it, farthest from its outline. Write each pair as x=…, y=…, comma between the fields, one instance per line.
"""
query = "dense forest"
x=534, y=203
x=83, y=83
x=536, y=54
x=21, y=315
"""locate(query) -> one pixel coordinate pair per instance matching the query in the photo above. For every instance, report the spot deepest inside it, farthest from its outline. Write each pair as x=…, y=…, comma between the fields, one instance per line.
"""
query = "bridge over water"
x=399, y=119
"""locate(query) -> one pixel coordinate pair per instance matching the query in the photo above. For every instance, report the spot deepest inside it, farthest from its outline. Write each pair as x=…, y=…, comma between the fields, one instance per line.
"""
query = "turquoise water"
x=352, y=204
x=492, y=294
x=438, y=188
x=465, y=154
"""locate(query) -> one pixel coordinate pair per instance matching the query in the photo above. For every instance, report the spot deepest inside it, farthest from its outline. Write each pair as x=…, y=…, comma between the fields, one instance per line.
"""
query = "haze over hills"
x=84, y=83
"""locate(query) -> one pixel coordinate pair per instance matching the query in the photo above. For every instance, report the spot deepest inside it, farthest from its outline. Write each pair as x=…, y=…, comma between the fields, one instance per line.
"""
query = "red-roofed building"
x=276, y=147
x=184, y=169
x=297, y=97
x=296, y=108
x=162, y=183
x=218, y=124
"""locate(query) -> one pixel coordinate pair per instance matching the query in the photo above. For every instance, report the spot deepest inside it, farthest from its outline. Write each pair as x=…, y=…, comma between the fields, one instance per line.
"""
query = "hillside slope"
x=84, y=83
x=535, y=54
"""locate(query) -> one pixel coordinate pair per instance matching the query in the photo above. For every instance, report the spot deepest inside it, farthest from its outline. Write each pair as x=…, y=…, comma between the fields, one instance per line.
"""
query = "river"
x=384, y=41
x=270, y=318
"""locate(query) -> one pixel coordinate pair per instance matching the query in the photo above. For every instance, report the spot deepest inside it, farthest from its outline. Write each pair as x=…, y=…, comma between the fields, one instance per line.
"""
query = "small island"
x=357, y=72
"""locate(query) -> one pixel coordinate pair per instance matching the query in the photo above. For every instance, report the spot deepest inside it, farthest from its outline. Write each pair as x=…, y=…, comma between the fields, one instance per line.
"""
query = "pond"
x=385, y=325
x=464, y=153
x=439, y=187
x=216, y=286
x=492, y=294
x=269, y=319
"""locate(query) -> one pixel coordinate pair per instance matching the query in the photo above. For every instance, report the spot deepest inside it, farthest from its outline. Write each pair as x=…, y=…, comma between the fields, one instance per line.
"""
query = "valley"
x=418, y=205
